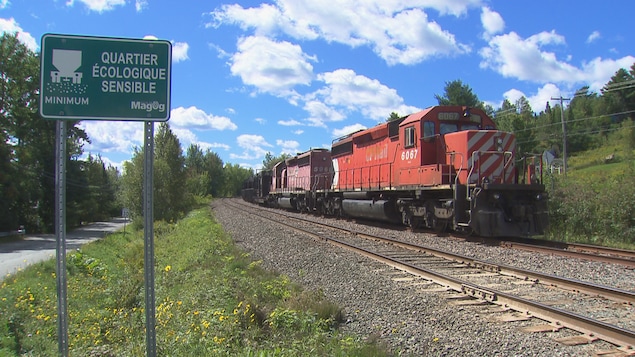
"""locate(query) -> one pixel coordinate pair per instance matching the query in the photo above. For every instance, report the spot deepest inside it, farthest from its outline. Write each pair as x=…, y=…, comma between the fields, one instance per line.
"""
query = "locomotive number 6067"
x=409, y=154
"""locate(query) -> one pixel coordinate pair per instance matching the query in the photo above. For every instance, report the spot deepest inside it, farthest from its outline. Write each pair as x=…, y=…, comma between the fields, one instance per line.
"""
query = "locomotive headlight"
x=538, y=197
x=499, y=144
x=496, y=196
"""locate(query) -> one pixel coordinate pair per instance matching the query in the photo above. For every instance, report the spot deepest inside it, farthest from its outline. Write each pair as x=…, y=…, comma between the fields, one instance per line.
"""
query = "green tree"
x=171, y=199
x=31, y=138
x=198, y=182
x=518, y=119
x=393, y=116
x=457, y=93
x=170, y=196
x=235, y=176
x=619, y=94
x=132, y=184
x=270, y=160
x=8, y=185
x=99, y=201
x=213, y=166
x=587, y=126
x=204, y=171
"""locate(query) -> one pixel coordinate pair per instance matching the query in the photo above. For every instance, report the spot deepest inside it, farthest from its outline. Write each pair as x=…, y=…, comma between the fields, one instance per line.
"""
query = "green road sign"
x=105, y=78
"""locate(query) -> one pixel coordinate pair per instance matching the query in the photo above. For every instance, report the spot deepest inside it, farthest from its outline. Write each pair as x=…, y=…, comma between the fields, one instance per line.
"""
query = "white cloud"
x=319, y=113
x=192, y=117
x=538, y=100
x=179, y=51
x=492, y=22
x=512, y=56
x=4, y=4
x=12, y=27
x=399, y=32
x=260, y=121
x=525, y=59
x=288, y=146
x=272, y=67
x=141, y=5
x=99, y=5
x=298, y=132
x=221, y=52
x=108, y=137
x=188, y=137
x=210, y=146
x=291, y=122
x=595, y=35
x=253, y=147
x=598, y=71
x=347, y=130
x=346, y=89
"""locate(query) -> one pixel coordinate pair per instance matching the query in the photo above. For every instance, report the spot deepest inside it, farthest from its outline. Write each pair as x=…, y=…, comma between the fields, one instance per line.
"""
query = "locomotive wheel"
x=439, y=225
x=416, y=222
x=432, y=222
x=412, y=221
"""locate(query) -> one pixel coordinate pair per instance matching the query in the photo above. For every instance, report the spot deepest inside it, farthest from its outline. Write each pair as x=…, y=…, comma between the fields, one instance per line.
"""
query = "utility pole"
x=564, y=133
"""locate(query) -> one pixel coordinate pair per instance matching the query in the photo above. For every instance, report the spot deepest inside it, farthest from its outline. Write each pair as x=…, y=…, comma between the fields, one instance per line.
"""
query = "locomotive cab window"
x=409, y=134
x=448, y=128
x=470, y=127
x=428, y=131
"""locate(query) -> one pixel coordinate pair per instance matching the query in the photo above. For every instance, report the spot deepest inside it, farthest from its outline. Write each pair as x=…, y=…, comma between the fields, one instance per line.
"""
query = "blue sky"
x=251, y=77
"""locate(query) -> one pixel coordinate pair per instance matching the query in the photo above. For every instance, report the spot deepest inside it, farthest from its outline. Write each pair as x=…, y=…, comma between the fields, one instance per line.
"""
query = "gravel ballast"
x=409, y=316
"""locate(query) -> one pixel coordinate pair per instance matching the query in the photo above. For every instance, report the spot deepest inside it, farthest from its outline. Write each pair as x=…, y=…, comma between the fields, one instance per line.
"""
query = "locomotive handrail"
x=533, y=158
x=458, y=173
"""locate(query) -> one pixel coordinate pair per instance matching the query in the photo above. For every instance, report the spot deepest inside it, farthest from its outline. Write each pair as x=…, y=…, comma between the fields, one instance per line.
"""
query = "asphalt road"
x=31, y=249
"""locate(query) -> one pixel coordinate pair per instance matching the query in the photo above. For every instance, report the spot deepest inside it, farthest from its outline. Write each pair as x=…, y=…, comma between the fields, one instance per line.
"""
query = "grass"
x=211, y=300
x=594, y=203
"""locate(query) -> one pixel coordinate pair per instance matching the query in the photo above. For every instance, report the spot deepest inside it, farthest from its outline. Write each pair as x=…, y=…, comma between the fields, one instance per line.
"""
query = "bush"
x=593, y=210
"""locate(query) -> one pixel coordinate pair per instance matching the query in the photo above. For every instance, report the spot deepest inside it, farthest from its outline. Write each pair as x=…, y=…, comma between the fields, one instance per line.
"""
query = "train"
x=445, y=168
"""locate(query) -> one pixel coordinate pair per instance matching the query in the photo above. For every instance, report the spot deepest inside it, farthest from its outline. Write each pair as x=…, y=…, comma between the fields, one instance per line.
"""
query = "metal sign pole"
x=60, y=231
x=148, y=232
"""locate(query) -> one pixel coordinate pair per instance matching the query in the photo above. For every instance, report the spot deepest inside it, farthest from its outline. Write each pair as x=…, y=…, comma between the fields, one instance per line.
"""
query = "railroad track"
x=606, y=314
x=572, y=250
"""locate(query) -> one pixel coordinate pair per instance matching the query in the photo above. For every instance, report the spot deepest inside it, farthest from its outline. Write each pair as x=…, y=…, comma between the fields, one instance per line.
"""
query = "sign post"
x=103, y=78
x=60, y=231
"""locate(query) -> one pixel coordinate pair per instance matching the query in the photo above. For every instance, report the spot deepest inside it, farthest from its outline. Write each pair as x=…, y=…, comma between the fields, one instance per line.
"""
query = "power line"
x=575, y=120
x=580, y=132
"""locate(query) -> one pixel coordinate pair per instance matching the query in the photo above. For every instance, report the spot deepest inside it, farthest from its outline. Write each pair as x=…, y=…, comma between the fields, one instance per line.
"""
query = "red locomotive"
x=443, y=167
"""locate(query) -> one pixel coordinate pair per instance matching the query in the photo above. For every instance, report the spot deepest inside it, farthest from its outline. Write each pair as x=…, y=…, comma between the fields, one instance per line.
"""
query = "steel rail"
x=591, y=328
x=598, y=254
x=601, y=250
x=574, y=250
x=618, y=295
x=594, y=329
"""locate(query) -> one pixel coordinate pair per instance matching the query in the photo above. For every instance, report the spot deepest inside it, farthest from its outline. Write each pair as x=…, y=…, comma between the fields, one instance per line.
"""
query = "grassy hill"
x=594, y=202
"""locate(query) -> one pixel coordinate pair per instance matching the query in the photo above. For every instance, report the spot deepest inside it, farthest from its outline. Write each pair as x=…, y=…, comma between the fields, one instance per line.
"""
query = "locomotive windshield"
x=453, y=127
x=448, y=128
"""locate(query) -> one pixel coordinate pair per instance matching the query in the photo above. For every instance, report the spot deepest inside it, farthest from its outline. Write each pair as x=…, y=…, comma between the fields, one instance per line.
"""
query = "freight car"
x=446, y=167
